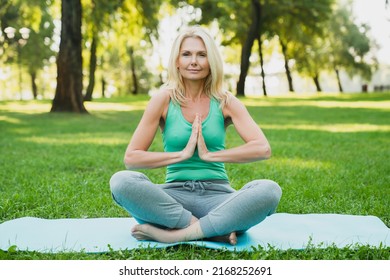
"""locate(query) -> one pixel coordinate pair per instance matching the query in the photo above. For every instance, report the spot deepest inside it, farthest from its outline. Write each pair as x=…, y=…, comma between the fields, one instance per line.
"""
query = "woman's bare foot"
x=228, y=238
x=144, y=232
x=149, y=232
x=193, y=232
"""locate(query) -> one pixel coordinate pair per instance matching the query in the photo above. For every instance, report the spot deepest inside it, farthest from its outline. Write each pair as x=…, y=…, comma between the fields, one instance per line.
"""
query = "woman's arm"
x=137, y=155
x=256, y=146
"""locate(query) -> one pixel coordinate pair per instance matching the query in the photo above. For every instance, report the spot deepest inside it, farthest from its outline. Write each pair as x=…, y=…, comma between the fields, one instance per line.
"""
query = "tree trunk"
x=34, y=87
x=338, y=79
x=133, y=74
x=247, y=47
x=92, y=69
x=68, y=95
x=103, y=81
x=262, y=64
x=316, y=80
x=286, y=67
x=103, y=87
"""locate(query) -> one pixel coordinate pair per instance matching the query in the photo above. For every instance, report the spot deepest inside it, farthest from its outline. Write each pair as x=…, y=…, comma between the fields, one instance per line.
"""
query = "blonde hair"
x=214, y=81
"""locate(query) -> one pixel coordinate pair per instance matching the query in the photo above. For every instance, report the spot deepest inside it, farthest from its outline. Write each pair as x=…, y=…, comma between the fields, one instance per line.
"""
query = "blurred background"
x=270, y=47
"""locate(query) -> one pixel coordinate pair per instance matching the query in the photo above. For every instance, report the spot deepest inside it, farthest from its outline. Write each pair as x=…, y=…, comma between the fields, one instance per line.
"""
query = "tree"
x=68, y=95
x=28, y=29
x=239, y=23
x=350, y=48
x=301, y=19
x=261, y=19
x=252, y=34
x=141, y=22
x=311, y=58
x=38, y=51
x=116, y=30
x=97, y=20
x=11, y=40
x=343, y=45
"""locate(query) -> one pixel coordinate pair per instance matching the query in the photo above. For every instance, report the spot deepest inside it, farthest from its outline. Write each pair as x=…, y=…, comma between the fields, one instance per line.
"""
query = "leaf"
x=13, y=249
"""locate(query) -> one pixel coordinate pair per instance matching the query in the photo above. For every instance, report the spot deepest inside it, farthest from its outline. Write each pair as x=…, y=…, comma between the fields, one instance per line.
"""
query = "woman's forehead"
x=191, y=43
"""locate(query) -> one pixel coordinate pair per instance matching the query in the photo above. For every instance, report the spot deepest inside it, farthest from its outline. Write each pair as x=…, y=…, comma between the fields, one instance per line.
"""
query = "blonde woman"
x=193, y=110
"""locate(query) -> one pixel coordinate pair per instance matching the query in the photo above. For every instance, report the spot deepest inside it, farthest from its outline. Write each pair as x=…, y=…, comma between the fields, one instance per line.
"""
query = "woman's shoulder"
x=232, y=101
x=162, y=95
x=159, y=101
x=160, y=98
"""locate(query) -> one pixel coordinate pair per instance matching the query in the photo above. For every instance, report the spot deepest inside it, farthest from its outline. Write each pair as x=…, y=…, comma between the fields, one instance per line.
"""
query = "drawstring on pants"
x=193, y=185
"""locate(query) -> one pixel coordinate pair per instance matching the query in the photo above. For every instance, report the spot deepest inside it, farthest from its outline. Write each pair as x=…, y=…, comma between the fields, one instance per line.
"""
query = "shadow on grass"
x=325, y=158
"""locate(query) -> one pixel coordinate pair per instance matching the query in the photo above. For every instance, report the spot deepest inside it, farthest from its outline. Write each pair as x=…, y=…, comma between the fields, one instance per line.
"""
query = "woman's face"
x=192, y=62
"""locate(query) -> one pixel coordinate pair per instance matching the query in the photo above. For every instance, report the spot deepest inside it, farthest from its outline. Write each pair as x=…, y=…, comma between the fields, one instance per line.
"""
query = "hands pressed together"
x=196, y=141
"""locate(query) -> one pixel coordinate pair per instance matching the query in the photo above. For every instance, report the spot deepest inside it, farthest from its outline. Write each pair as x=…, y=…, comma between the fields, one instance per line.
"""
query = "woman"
x=193, y=111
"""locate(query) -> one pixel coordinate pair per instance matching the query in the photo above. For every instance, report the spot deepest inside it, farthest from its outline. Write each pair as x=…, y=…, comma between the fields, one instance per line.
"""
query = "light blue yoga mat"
x=279, y=231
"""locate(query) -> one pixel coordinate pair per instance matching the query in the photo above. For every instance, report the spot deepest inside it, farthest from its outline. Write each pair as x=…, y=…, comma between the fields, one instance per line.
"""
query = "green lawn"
x=330, y=155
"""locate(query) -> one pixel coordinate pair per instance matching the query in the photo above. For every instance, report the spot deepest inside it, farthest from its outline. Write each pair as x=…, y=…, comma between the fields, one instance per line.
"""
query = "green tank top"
x=176, y=133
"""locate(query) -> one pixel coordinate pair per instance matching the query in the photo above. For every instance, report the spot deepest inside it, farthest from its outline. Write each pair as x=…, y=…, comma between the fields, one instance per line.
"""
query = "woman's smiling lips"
x=193, y=70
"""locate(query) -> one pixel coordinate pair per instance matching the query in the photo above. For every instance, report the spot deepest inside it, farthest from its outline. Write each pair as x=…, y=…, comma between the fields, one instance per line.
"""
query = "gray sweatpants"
x=219, y=208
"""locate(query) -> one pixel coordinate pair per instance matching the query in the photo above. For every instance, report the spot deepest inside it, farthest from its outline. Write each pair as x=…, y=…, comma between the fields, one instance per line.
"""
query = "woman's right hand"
x=192, y=142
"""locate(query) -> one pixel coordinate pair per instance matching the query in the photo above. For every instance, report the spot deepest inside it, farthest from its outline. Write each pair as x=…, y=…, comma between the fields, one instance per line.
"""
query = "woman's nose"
x=193, y=59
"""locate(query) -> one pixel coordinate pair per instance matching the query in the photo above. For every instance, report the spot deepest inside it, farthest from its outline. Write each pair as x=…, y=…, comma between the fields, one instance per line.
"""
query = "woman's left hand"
x=203, y=152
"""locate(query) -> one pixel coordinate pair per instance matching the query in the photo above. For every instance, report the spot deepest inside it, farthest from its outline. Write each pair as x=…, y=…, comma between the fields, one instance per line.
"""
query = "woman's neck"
x=194, y=90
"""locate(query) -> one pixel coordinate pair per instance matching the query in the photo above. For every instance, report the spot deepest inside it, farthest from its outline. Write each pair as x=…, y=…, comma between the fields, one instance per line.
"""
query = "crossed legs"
x=164, y=219
x=192, y=232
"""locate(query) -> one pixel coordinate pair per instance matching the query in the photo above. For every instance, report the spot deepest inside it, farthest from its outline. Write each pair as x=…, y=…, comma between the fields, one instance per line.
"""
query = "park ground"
x=329, y=154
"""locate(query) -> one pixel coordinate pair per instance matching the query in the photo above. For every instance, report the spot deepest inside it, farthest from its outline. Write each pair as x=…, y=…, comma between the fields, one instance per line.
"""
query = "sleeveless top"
x=176, y=133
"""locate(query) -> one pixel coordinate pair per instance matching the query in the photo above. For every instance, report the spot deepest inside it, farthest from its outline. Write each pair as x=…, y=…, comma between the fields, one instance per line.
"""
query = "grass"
x=330, y=155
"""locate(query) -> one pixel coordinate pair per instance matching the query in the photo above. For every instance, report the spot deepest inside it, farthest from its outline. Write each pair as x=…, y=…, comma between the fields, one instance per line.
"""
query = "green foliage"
x=233, y=17
x=35, y=42
x=318, y=35
x=26, y=37
x=124, y=27
x=350, y=47
x=329, y=155
x=187, y=252
x=343, y=45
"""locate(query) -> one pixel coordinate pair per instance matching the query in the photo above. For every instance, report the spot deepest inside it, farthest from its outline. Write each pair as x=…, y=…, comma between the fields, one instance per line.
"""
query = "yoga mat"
x=279, y=231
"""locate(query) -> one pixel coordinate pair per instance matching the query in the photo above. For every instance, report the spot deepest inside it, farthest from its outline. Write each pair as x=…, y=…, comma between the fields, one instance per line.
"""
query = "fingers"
x=199, y=126
x=195, y=130
x=196, y=141
x=200, y=135
x=195, y=124
x=202, y=147
x=192, y=141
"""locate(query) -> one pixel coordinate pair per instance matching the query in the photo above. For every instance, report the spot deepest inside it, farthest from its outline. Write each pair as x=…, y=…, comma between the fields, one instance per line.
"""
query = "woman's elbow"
x=129, y=162
x=264, y=151
x=267, y=152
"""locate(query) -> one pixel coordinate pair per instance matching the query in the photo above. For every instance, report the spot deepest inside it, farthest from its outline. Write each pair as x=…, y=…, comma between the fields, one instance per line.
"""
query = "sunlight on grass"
x=30, y=107
x=326, y=159
x=338, y=104
x=80, y=139
x=342, y=127
x=33, y=107
x=385, y=105
x=93, y=106
x=304, y=163
x=9, y=120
